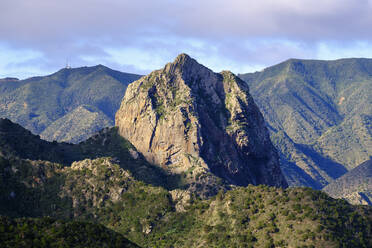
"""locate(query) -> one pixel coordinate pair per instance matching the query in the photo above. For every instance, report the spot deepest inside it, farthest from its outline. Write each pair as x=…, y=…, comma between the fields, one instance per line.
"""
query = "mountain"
x=77, y=124
x=69, y=105
x=80, y=196
x=105, y=192
x=189, y=120
x=319, y=114
x=355, y=185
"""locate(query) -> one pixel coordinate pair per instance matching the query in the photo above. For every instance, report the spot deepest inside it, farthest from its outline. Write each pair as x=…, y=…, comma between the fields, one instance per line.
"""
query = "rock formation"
x=192, y=121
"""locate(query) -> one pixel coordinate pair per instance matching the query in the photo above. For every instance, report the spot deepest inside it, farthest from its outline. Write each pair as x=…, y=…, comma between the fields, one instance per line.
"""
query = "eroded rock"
x=189, y=120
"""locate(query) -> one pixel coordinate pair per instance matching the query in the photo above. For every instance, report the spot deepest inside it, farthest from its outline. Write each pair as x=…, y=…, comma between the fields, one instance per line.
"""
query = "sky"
x=38, y=37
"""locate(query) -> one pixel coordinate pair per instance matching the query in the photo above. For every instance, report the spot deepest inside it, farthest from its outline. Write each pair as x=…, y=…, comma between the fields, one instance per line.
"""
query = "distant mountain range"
x=319, y=114
x=69, y=105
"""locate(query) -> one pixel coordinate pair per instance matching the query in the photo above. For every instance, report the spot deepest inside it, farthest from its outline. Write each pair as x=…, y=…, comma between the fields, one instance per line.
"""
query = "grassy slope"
x=324, y=109
x=41, y=102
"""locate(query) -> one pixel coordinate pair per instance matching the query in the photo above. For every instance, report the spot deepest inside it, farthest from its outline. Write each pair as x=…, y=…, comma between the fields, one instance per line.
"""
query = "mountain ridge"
x=355, y=185
x=39, y=102
x=322, y=106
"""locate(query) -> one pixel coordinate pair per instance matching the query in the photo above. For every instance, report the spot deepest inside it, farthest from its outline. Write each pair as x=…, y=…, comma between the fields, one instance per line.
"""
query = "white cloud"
x=142, y=35
x=334, y=50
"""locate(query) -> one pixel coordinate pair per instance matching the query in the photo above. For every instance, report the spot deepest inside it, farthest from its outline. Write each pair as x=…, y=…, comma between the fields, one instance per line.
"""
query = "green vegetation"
x=18, y=143
x=104, y=191
x=258, y=216
x=319, y=115
x=47, y=232
x=165, y=97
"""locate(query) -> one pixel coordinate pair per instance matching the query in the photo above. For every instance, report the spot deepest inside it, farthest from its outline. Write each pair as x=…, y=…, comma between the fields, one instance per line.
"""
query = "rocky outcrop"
x=192, y=121
x=100, y=175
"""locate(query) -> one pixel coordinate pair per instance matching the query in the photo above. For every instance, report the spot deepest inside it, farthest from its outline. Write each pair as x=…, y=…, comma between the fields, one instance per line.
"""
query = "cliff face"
x=188, y=119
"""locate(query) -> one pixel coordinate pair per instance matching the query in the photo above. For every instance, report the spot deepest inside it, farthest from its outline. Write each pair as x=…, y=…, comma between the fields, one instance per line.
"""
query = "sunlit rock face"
x=188, y=119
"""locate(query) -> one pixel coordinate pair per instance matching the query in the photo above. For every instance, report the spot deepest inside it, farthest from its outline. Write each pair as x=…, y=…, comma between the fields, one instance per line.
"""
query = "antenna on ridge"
x=67, y=65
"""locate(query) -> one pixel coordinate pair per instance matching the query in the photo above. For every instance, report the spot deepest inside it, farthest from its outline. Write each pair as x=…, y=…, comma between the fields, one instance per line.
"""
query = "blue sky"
x=37, y=37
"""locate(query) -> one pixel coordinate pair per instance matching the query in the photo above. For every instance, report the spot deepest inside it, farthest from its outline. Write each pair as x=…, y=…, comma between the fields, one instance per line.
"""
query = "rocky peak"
x=183, y=60
x=188, y=69
x=190, y=120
